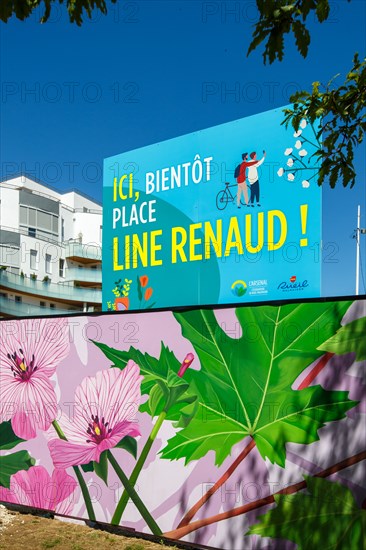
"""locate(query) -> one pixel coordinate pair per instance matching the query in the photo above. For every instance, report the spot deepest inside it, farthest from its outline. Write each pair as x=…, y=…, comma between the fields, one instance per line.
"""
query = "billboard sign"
x=230, y=214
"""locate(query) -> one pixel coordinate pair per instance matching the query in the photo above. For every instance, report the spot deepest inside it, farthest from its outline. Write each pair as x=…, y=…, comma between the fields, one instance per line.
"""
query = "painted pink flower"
x=104, y=413
x=36, y=488
x=29, y=354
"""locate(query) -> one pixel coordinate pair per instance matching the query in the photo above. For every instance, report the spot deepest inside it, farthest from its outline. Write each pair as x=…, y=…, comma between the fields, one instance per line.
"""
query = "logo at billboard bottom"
x=293, y=284
x=255, y=287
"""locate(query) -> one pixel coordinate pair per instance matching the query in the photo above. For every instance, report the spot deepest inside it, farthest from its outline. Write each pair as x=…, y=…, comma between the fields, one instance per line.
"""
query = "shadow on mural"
x=237, y=428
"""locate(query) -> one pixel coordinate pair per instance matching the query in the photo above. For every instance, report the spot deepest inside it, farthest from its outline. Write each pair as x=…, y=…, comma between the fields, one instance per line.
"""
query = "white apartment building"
x=50, y=250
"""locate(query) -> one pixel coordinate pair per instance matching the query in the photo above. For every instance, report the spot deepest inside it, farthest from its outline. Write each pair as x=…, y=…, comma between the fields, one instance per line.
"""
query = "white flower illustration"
x=302, y=146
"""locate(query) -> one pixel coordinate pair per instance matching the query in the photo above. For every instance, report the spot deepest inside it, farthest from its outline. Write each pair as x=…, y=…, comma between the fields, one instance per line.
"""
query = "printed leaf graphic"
x=326, y=517
x=11, y=464
x=101, y=467
x=244, y=385
x=129, y=444
x=139, y=291
x=350, y=338
x=160, y=382
x=8, y=439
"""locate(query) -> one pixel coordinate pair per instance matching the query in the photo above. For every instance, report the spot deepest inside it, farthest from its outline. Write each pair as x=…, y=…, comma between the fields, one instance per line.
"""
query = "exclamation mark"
x=304, y=219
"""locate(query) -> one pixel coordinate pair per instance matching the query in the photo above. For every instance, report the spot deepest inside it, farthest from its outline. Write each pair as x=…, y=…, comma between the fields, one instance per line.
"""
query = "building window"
x=62, y=229
x=23, y=215
x=42, y=304
x=62, y=268
x=32, y=217
x=33, y=259
x=18, y=299
x=48, y=265
x=52, y=306
x=100, y=233
x=38, y=222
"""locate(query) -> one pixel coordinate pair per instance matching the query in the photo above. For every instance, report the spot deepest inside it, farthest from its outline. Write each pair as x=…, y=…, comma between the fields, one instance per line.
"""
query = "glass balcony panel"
x=83, y=274
x=51, y=290
x=75, y=249
x=23, y=309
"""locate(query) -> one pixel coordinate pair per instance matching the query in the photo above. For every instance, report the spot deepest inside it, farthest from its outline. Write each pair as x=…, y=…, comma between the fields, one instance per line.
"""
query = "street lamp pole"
x=359, y=231
x=358, y=249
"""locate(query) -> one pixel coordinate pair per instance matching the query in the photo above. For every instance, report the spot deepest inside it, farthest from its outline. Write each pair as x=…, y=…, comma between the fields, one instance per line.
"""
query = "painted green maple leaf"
x=350, y=338
x=165, y=389
x=327, y=517
x=244, y=385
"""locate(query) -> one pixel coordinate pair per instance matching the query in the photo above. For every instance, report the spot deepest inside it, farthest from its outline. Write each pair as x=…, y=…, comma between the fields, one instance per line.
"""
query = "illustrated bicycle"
x=225, y=196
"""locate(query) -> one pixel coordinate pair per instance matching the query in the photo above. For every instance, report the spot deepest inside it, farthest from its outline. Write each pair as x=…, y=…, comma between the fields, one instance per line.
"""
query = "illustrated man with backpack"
x=253, y=177
x=239, y=174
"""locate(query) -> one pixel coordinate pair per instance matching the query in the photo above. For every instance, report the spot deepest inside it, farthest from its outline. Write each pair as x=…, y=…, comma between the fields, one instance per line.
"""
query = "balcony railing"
x=38, y=234
x=23, y=309
x=83, y=274
x=89, y=251
x=50, y=290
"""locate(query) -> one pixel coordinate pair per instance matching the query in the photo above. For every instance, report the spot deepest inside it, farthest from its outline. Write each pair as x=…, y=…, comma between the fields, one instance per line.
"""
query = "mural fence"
x=236, y=428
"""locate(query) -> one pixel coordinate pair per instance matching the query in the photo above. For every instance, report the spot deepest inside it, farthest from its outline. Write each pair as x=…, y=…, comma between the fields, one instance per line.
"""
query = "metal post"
x=358, y=249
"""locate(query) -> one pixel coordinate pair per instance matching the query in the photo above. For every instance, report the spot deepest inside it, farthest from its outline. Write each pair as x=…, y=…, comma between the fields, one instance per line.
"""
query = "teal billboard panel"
x=230, y=214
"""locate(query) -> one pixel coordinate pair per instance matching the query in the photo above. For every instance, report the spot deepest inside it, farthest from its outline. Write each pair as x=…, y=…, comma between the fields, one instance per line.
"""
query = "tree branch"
x=183, y=531
x=193, y=511
x=315, y=371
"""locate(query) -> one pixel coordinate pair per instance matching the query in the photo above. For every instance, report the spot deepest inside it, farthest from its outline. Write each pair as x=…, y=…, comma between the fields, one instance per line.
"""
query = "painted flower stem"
x=183, y=531
x=155, y=529
x=79, y=476
x=121, y=506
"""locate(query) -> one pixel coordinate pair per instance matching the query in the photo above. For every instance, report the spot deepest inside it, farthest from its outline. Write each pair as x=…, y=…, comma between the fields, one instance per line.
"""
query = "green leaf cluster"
x=280, y=17
x=348, y=339
x=342, y=109
x=244, y=386
x=167, y=391
x=343, y=113
x=327, y=516
x=22, y=9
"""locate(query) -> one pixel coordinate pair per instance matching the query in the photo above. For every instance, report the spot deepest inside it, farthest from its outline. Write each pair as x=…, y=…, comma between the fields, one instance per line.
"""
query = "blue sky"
x=152, y=70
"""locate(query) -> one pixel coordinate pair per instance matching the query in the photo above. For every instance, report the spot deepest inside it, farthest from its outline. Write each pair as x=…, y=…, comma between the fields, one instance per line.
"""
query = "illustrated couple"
x=252, y=175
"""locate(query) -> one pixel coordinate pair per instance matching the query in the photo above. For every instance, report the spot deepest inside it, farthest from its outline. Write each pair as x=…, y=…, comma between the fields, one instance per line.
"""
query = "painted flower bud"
x=148, y=293
x=144, y=280
x=186, y=364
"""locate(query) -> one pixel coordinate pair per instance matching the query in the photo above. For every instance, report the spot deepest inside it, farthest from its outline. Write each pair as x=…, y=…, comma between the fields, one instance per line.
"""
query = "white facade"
x=50, y=250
